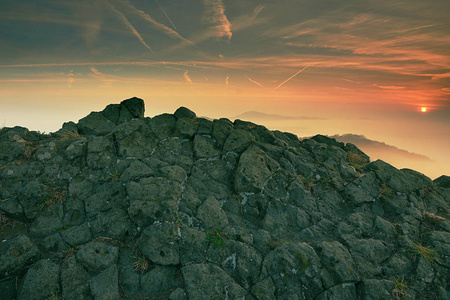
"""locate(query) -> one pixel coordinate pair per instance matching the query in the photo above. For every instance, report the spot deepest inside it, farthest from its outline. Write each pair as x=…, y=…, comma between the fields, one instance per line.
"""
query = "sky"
x=328, y=66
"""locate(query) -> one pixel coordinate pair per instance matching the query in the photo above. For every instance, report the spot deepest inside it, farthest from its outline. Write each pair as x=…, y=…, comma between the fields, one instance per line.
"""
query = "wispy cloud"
x=214, y=14
x=130, y=26
x=248, y=20
x=104, y=79
x=161, y=27
x=226, y=81
x=253, y=81
x=186, y=77
x=70, y=79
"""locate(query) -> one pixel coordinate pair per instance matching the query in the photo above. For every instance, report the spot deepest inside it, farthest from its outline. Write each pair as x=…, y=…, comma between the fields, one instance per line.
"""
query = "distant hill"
x=380, y=149
x=256, y=115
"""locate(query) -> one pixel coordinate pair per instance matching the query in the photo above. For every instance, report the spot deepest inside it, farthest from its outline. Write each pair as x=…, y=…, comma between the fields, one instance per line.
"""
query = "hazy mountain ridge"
x=180, y=207
x=260, y=116
x=372, y=148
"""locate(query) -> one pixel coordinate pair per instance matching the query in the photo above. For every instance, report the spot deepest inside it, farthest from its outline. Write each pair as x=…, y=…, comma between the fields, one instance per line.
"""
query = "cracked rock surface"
x=124, y=206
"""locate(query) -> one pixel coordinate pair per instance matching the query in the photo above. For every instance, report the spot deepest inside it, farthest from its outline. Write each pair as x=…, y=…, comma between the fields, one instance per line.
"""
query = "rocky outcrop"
x=179, y=207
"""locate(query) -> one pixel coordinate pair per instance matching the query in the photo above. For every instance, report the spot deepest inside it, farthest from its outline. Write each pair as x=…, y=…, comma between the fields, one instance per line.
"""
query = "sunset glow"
x=328, y=67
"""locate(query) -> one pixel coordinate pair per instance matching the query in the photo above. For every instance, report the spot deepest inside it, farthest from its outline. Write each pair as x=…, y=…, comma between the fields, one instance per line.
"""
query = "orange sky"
x=370, y=66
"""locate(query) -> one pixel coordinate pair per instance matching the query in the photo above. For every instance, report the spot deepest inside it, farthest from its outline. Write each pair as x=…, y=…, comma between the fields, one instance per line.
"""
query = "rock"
x=74, y=280
x=296, y=271
x=160, y=279
x=264, y=289
x=96, y=256
x=16, y=253
x=208, y=281
x=95, y=124
x=184, y=112
x=41, y=281
x=105, y=285
x=180, y=207
x=159, y=242
x=254, y=168
x=212, y=215
x=238, y=141
x=205, y=147
x=442, y=181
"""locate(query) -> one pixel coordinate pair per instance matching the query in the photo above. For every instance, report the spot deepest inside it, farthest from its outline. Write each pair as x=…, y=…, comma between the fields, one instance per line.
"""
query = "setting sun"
x=423, y=109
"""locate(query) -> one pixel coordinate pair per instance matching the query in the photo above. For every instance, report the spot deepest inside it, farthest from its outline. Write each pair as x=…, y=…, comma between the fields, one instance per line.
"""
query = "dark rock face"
x=179, y=207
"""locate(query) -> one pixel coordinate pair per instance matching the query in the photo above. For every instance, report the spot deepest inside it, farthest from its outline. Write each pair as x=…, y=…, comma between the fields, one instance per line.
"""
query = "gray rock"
x=187, y=127
x=209, y=282
x=105, y=285
x=211, y=214
x=374, y=289
x=74, y=280
x=135, y=139
x=159, y=279
x=184, y=112
x=159, y=242
x=95, y=124
x=41, y=281
x=205, y=147
x=296, y=271
x=341, y=291
x=16, y=253
x=339, y=262
x=238, y=141
x=264, y=290
x=48, y=222
x=254, y=168
x=97, y=256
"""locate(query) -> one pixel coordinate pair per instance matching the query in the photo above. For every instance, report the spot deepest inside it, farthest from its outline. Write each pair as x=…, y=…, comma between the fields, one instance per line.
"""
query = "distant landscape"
x=400, y=158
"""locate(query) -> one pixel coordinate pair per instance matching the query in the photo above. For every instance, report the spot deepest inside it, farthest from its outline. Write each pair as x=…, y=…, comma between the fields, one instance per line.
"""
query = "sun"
x=423, y=109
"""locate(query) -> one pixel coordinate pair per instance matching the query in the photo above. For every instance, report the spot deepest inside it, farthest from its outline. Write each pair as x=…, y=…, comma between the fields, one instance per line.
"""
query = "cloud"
x=70, y=79
x=161, y=27
x=253, y=81
x=104, y=79
x=214, y=14
x=173, y=25
x=186, y=77
x=248, y=20
x=389, y=87
x=226, y=80
x=130, y=26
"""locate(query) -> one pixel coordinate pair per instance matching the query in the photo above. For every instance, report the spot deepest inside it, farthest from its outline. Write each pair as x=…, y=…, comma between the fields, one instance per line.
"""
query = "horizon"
x=379, y=69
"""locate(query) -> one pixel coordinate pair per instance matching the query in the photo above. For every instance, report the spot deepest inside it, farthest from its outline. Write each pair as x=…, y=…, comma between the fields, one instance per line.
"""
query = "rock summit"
x=124, y=206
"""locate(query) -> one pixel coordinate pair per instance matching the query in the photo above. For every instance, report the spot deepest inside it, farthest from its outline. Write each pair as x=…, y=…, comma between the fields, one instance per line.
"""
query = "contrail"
x=173, y=25
x=290, y=78
x=169, y=31
x=131, y=27
x=255, y=82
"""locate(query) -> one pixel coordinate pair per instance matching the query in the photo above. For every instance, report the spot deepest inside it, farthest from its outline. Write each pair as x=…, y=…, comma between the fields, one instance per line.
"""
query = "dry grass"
x=432, y=218
x=399, y=291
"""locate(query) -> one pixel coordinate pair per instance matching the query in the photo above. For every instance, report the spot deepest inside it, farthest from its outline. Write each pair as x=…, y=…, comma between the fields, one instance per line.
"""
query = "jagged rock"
x=238, y=141
x=184, y=112
x=180, y=207
x=16, y=253
x=74, y=280
x=254, y=168
x=208, y=281
x=443, y=181
x=41, y=281
x=159, y=242
x=211, y=214
x=96, y=256
x=105, y=285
